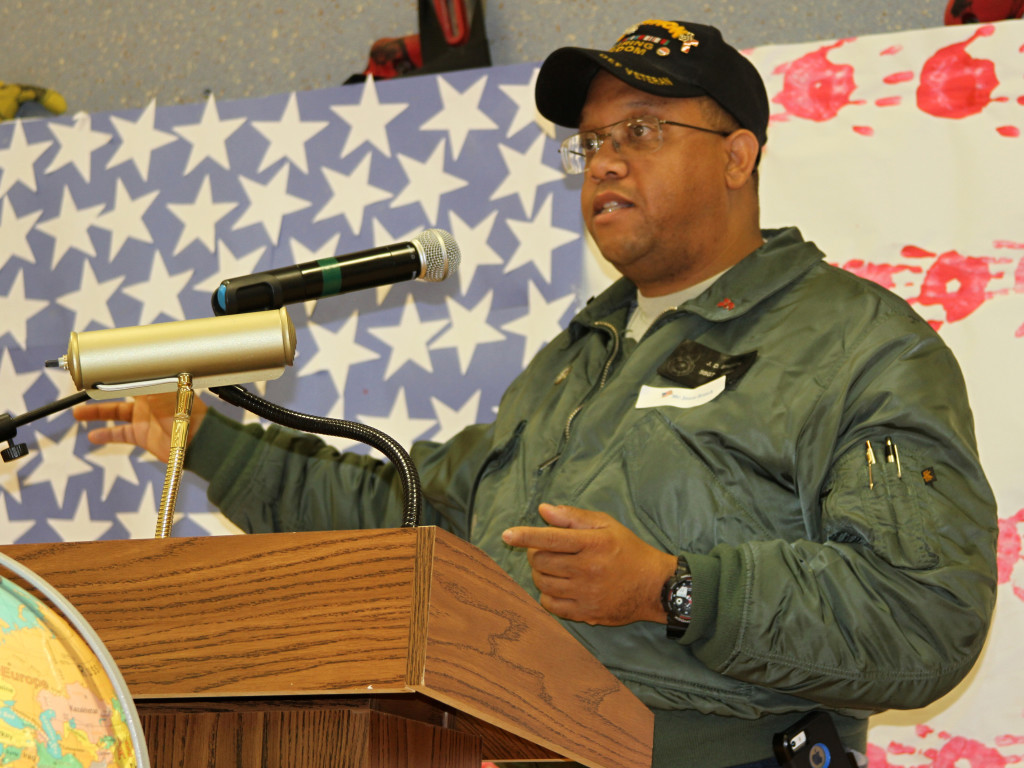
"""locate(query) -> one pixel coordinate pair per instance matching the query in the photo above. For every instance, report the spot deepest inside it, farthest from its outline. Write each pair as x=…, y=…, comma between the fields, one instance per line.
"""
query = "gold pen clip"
x=892, y=456
x=871, y=463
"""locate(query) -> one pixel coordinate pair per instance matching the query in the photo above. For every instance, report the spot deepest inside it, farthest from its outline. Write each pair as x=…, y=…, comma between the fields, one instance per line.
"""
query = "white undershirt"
x=650, y=308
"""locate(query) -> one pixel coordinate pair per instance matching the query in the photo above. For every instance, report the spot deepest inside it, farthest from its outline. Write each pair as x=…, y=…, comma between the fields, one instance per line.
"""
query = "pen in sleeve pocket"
x=892, y=454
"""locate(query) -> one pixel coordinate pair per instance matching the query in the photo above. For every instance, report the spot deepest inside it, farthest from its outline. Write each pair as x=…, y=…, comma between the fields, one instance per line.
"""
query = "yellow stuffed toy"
x=12, y=96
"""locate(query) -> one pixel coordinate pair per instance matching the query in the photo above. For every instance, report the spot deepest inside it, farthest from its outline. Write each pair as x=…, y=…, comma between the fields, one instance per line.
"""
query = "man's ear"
x=743, y=149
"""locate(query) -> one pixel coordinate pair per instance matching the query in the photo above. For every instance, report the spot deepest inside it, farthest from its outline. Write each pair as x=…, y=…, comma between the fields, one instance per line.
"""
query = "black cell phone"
x=812, y=742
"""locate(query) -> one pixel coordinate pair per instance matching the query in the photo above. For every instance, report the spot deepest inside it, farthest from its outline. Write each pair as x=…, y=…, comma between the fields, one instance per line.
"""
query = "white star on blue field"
x=132, y=218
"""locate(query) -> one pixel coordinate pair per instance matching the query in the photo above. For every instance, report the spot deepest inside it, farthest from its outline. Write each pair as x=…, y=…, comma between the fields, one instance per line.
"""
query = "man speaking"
x=746, y=480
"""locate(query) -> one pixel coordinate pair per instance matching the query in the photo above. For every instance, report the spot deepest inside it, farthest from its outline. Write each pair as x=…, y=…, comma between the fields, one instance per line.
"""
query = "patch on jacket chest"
x=692, y=365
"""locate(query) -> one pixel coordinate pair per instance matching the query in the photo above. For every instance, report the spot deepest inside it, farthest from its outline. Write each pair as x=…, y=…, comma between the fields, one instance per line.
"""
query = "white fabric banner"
x=901, y=156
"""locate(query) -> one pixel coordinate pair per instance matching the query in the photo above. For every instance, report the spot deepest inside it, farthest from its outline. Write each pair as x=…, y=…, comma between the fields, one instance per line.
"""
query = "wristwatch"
x=677, y=599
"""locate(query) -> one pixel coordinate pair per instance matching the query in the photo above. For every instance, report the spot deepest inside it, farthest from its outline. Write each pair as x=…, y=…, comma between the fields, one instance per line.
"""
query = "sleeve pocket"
x=888, y=517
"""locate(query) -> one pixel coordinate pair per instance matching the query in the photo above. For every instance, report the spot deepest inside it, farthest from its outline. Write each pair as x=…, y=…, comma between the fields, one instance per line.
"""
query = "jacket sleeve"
x=887, y=602
x=275, y=479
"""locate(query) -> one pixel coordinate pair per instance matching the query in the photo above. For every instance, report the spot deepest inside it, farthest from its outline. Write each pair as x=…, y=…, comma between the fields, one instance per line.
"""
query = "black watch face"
x=680, y=599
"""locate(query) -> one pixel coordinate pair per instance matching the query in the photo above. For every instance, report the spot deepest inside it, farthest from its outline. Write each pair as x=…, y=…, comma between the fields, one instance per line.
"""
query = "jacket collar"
x=784, y=257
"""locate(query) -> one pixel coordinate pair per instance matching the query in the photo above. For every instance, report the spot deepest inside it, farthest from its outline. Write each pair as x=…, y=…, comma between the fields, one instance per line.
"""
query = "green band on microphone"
x=331, y=276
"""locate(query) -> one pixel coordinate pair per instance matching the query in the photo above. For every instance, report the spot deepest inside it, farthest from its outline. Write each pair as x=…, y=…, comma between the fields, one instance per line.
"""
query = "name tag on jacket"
x=680, y=397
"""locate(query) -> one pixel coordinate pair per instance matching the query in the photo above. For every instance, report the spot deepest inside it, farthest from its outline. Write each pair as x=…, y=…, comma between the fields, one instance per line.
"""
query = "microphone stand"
x=238, y=396
x=396, y=454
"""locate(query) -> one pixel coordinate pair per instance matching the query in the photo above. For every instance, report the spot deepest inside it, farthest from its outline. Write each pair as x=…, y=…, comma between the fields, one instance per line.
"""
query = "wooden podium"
x=401, y=647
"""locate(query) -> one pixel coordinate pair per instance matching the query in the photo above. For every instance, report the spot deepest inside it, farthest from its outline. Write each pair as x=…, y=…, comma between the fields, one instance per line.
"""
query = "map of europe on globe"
x=58, y=707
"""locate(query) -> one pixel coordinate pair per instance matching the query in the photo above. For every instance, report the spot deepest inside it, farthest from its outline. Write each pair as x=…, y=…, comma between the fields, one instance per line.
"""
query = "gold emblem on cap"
x=685, y=37
x=675, y=30
x=663, y=51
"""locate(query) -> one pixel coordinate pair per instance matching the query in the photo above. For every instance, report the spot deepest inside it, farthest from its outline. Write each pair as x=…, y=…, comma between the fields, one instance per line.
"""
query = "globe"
x=58, y=706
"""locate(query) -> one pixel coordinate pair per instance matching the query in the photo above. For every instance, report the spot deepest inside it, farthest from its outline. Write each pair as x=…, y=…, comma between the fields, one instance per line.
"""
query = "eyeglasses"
x=637, y=134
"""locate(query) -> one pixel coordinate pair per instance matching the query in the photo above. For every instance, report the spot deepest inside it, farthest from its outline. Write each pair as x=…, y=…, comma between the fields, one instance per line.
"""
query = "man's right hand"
x=146, y=421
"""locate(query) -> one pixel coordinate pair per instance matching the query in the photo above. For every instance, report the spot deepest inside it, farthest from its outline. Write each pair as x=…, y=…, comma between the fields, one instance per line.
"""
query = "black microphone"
x=432, y=255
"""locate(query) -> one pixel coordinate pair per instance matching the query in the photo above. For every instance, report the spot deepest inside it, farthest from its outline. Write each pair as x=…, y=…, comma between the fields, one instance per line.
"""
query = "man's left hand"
x=591, y=568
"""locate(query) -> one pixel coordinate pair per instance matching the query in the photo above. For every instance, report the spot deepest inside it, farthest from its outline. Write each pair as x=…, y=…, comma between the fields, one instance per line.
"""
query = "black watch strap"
x=677, y=599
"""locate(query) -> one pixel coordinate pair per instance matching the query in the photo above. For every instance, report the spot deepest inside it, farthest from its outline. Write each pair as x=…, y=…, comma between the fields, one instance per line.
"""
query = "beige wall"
x=120, y=54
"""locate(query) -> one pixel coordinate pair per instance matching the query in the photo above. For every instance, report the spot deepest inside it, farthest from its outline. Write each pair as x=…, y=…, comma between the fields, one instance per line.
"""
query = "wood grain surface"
x=416, y=615
x=275, y=614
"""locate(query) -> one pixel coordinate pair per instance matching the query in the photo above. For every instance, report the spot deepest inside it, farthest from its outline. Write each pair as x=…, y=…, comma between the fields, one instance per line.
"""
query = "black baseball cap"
x=665, y=58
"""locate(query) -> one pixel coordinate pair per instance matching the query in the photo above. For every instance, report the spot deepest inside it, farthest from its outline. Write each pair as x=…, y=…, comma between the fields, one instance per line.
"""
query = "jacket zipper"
x=616, y=344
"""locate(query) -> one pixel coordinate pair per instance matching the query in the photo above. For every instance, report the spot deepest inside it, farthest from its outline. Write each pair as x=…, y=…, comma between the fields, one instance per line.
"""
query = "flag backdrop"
x=901, y=155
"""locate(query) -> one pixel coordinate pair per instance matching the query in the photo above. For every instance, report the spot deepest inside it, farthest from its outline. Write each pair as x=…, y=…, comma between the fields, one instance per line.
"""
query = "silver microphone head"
x=439, y=254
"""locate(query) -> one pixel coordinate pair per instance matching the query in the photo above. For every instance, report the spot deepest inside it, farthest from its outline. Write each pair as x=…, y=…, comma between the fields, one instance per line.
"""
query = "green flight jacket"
x=817, y=582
